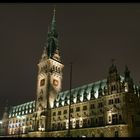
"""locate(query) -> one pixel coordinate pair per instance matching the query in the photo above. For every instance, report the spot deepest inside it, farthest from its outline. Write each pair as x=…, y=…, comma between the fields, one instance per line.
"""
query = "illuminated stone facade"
x=107, y=108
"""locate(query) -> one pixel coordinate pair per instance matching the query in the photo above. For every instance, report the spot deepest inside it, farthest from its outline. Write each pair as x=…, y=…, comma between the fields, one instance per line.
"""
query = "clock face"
x=55, y=82
x=42, y=82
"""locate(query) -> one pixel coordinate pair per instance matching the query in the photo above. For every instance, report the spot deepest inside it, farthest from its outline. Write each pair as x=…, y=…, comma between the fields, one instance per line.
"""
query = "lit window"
x=73, y=124
x=30, y=111
x=67, y=124
x=30, y=106
x=81, y=122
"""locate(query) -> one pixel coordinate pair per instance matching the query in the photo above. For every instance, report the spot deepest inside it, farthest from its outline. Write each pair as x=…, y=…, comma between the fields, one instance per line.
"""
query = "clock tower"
x=49, y=80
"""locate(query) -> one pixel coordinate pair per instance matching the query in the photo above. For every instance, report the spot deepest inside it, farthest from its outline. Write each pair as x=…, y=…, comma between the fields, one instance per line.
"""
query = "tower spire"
x=127, y=74
x=113, y=67
x=44, y=55
x=52, y=41
x=53, y=25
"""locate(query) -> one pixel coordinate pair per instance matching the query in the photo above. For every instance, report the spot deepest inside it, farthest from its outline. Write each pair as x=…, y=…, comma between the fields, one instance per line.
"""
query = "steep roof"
x=63, y=97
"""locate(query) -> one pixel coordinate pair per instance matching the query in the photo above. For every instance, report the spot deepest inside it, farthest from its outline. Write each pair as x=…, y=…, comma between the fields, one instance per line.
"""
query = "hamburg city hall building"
x=106, y=108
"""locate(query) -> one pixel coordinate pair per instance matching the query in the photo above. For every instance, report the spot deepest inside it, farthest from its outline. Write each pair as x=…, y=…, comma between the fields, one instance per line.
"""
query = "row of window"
x=30, y=106
x=20, y=131
x=117, y=100
x=20, y=124
x=116, y=119
x=21, y=113
x=71, y=110
x=19, y=120
x=92, y=106
x=56, y=69
x=79, y=123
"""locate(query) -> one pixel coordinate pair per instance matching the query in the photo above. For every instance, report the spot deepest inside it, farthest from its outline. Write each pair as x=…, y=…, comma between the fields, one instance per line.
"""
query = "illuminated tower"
x=49, y=81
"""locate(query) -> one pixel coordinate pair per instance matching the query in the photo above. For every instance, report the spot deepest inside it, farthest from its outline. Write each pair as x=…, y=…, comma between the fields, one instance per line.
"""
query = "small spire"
x=113, y=66
x=53, y=25
x=112, y=61
x=126, y=68
x=127, y=73
x=44, y=55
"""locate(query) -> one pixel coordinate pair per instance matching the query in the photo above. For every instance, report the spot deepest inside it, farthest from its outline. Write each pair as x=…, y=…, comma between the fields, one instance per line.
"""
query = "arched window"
x=58, y=70
x=78, y=97
x=85, y=96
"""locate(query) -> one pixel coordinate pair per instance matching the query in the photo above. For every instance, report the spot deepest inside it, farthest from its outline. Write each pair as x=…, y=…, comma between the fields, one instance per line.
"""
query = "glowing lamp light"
x=96, y=94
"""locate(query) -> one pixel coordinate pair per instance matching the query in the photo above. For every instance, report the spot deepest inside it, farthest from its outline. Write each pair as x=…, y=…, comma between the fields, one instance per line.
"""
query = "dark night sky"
x=90, y=35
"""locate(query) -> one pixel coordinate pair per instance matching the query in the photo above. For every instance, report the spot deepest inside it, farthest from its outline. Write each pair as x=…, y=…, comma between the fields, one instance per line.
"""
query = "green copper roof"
x=23, y=109
x=88, y=89
x=80, y=91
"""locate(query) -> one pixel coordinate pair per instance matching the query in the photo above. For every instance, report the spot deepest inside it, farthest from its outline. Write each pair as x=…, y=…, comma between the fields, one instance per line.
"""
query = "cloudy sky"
x=90, y=35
